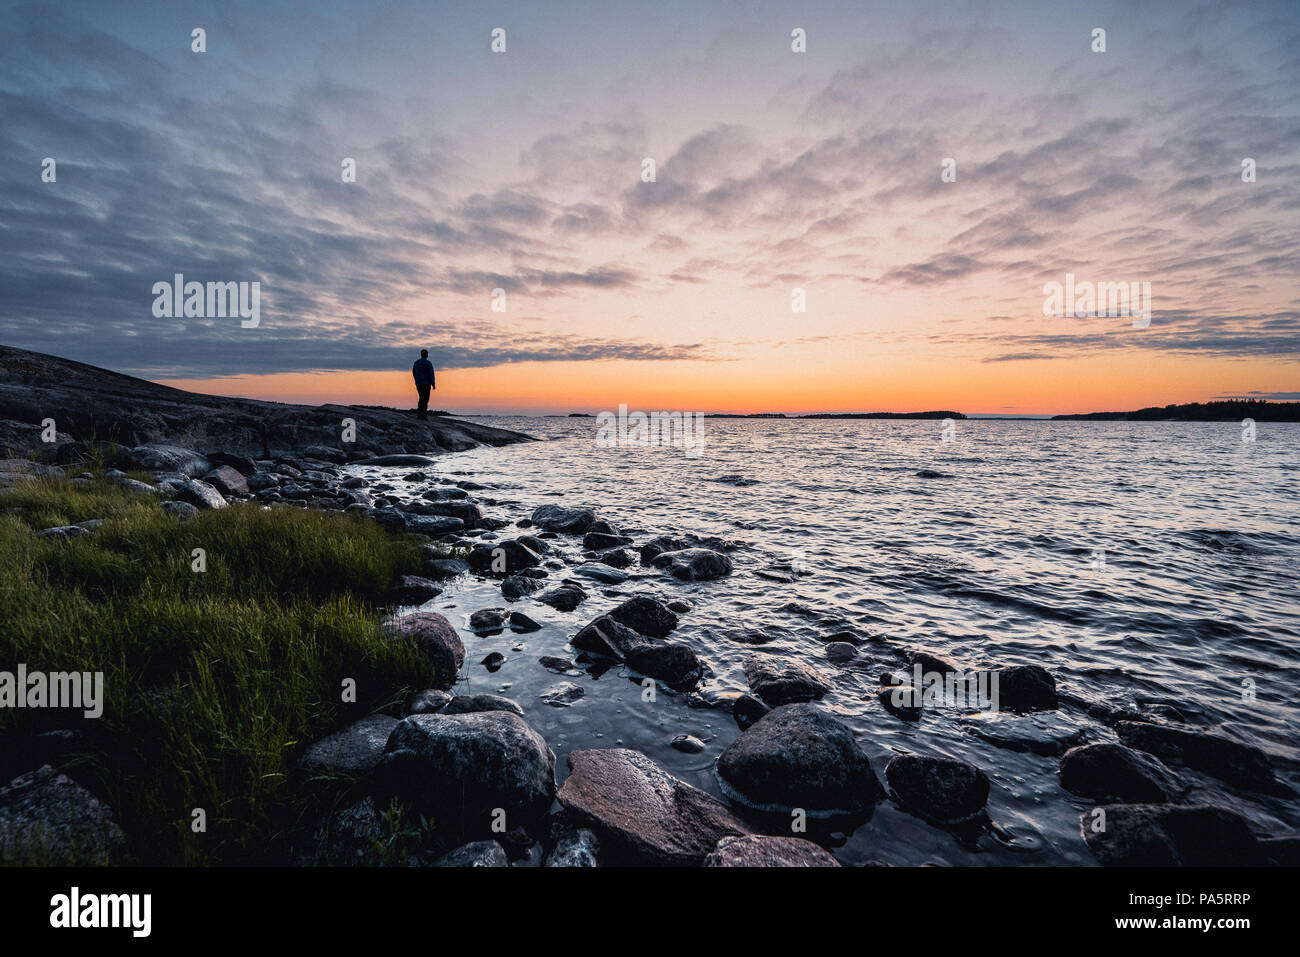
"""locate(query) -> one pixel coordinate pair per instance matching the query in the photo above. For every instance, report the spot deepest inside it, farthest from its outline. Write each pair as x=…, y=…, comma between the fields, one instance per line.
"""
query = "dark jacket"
x=423, y=372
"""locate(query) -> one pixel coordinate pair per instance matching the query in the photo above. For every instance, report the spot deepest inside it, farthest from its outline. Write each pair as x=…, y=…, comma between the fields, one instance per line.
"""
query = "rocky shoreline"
x=474, y=764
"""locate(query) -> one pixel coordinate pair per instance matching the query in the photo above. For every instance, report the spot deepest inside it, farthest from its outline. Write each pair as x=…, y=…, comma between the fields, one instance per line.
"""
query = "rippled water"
x=993, y=561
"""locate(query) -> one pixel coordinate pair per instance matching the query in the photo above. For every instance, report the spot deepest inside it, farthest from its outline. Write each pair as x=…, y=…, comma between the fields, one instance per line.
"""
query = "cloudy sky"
x=775, y=171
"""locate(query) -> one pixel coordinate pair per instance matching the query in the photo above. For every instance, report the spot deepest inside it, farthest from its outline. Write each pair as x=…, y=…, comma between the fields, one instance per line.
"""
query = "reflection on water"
x=1147, y=565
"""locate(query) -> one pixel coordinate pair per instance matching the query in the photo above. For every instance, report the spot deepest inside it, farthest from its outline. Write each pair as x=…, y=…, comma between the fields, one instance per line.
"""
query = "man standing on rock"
x=423, y=372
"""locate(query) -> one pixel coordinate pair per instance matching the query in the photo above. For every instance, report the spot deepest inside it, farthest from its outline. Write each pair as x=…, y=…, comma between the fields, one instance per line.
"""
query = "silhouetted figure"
x=423, y=372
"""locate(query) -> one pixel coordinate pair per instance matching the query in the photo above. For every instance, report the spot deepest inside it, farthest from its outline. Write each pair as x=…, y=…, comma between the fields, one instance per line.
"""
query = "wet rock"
x=574, y=848
x=488, y=620
x=503, y=558
x=444, y=493
x=1239, y=764
x=747, y=709
x=1026, y=688
x=660, y=544
x=748, y=635
x=465, y=766
x=1112, y=772
x=566, y=596
x=598, y=541
x=641, y=813
x=680, y=605
x=932, y=474
x=475, y=854
x=798, y=756
x=428, y=701
x=48, y=820
x=518, y=586
x=1167, y=835
x=779, y=680
x=840, y=652
x=433, y=524
x=646, y=615
x=615, y=558
x=563, y=695
x=902, y=701
x=227, y=480
x=539, y=545
x=440, y=569
x=556, y=665
x=413, y=590
x=598, y=571
x=559, y=518
x=436, y=639
x=518, y=621
x=1044, y=733
x=355, y=750
x=493, y=661
x=674, y=663
x=393, y=520
x=687, y=743
x=200, y=494
x=694, y=564
x=478, y=703
x=763, y=851
x=943, y=790
x=932, y=662
x=608, y=638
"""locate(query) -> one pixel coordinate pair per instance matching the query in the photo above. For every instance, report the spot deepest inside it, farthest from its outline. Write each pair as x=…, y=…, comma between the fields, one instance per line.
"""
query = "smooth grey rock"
x=798, y=756
x=354, y=750
x=477, y=703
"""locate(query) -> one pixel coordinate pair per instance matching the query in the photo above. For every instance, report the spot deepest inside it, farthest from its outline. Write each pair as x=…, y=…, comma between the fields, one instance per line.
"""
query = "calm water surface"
x=1147, y=565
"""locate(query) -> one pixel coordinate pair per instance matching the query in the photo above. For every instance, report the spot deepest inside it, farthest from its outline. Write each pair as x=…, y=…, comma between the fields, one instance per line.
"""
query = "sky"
x=778, y=175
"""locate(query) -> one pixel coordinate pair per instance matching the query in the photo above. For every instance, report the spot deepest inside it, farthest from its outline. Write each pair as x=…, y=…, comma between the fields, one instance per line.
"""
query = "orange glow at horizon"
x=882, y=383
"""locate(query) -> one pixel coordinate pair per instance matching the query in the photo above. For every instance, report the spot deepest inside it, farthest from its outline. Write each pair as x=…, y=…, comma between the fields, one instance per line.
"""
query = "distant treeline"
x=1231, y=410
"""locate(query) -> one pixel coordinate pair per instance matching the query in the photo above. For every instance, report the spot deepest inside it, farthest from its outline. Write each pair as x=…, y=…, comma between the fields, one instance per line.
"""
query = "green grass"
x=214, y=681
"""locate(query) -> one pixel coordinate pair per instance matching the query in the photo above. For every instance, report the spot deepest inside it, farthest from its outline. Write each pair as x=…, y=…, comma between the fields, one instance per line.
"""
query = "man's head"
x=424, y=353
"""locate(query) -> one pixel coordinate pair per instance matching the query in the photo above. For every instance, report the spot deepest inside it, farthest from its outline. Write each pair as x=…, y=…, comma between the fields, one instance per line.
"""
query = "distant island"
x=1232, y=410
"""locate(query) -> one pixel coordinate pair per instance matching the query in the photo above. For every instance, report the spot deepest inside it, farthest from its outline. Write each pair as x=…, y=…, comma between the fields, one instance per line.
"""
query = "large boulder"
x=763, y=851
x=660, y=544
x=560, y=518
x=779, y=680
x=1169, y=835
x=694, y=564
x=199, y=494
x=798, y=756
x=640, y=812
x=943, y=790
x=466, y=768
x=48, y=820
x=161, y=457
x=227, y=480
x=436, y=639
x=1112, y=772
x=355, y=750
x=1231, y=761
x=646, y=615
